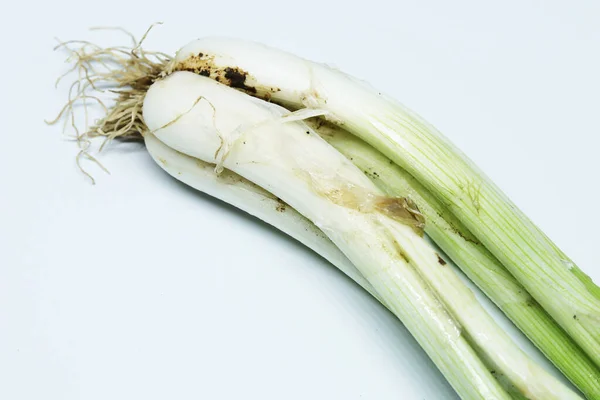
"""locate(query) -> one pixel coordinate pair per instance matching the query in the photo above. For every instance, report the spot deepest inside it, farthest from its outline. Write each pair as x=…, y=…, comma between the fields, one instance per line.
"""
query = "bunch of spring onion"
x=363, y=179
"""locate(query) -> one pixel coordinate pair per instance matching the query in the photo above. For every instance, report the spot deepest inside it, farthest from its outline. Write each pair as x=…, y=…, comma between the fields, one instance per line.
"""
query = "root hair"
x=124, y=73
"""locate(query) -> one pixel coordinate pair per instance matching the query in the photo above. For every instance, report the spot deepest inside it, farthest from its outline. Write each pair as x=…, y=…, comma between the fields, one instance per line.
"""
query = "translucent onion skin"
x=565, y=292
x=214, y=123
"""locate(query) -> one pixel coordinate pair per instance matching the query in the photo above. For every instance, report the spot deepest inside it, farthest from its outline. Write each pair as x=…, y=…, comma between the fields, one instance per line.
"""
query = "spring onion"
x=189, y=120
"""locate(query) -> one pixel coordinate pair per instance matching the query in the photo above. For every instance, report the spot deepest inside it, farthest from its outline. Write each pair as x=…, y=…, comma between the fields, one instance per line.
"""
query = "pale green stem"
x=474, y=260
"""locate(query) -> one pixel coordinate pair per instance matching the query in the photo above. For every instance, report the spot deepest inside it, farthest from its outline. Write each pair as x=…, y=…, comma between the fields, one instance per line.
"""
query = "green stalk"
x=569, y=296
x=474, y=260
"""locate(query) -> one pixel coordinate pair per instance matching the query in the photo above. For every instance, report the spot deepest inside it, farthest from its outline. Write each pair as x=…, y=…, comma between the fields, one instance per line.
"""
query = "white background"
x=140, y=288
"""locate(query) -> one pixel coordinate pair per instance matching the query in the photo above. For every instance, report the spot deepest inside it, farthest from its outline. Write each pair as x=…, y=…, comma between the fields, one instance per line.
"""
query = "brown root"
x=124, y=74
